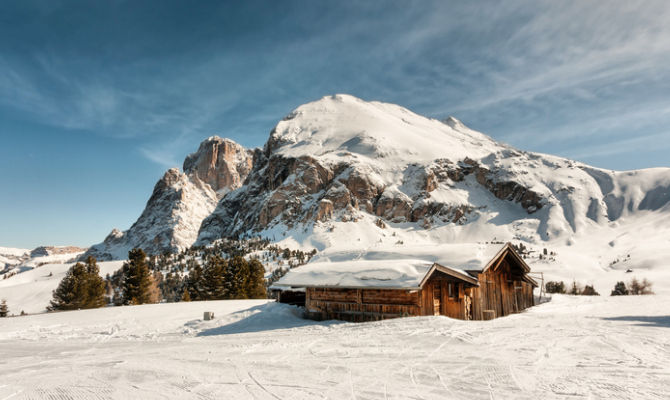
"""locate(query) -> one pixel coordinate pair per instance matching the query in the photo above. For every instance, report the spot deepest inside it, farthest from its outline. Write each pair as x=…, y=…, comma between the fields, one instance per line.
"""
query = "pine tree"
x=71, y=291
x=589, y=290
x=237, y=276
x=4, y=310
x=256, y=282
x=194, y=283
x=139, y=286
x=95, y=287
x=619, y=289
x=81, y=288
x=213, y=279
x=555, y=287
x=185, y=296
x=575, y=289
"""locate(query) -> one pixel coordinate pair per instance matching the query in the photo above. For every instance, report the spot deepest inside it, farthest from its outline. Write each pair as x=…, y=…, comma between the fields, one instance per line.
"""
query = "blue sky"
x=97, y=99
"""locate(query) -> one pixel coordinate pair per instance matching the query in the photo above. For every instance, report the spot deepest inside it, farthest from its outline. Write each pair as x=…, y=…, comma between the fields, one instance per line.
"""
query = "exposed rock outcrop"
x=181, y=200
x=220, y=163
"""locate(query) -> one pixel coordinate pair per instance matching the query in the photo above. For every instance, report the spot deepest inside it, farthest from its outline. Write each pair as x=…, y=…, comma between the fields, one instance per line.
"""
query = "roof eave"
x=351, y=287
x=451, y=272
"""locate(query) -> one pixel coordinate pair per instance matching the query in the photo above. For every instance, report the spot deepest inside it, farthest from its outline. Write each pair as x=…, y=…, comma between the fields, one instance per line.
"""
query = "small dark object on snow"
x=208, y=315
x=629, y=270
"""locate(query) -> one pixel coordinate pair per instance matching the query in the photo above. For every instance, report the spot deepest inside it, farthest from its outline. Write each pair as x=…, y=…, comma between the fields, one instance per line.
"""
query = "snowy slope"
x=385, y=134
x=10, y=256
x=572, y=347
x=31, y=290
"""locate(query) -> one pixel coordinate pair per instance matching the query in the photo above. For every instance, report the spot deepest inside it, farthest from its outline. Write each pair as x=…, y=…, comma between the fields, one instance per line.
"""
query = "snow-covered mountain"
x=181, y=200
x=341, y=173
x=358, y=179
x=343, y=159
x=14, y=260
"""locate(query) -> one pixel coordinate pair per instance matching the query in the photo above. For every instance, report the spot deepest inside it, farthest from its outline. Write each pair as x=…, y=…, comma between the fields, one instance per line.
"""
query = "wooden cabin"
x=485, y=285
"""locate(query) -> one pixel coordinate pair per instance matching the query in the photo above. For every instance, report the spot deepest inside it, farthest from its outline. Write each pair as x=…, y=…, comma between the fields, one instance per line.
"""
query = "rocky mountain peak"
x=220, y=163
x=181, y=200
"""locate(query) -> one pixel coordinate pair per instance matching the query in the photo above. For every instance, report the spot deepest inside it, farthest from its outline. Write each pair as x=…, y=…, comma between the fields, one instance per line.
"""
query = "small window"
x=451, y=289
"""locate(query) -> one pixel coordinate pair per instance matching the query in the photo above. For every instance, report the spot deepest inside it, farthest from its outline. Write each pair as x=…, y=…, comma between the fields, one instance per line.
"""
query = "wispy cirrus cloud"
x=528, y=72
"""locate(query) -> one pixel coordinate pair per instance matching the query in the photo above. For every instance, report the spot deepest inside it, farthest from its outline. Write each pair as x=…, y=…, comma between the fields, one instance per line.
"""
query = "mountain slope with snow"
x=14, y=261
x=342, y=159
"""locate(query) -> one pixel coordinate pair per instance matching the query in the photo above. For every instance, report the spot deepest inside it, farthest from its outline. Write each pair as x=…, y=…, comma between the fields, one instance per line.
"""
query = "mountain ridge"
x=342, y=160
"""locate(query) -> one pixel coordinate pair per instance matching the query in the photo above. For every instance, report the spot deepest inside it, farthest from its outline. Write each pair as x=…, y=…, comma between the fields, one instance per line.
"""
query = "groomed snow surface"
x=569, y=348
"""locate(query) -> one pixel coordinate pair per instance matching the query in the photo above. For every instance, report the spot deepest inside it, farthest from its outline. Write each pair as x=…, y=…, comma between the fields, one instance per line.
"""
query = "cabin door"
x=437, y=295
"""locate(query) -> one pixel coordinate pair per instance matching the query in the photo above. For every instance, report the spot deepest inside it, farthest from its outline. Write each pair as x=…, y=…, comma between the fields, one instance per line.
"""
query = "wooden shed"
x=485, y=285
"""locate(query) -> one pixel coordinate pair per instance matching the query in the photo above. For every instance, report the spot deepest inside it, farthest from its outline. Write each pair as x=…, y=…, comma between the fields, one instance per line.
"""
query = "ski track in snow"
x=569, y=348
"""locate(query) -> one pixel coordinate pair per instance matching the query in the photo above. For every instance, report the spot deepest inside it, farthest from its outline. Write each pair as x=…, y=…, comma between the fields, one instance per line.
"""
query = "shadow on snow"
x=265, y=317
x=659, y=321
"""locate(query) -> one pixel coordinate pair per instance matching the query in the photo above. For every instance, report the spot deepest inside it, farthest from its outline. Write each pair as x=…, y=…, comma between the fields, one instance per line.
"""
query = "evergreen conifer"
x=256, y=282
x=213, y=279
x=575, y=289
x=194, y=283
x=139, y=286
x=70, y=293
x=4, y=310
x=619, y=289
x=81, y=288
x=555, y=287
x=95, y=287
x=589, y=290
x=237, y=275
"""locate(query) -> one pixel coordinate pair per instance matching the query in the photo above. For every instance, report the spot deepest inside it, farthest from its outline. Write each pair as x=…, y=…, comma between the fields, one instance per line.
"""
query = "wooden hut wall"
x=502, y=291
x=361, y=304
x=451, y=306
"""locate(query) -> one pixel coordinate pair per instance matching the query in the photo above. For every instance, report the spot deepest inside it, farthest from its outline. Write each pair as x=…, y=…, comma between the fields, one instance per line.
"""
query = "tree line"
x=137, y=283
x=634, y=287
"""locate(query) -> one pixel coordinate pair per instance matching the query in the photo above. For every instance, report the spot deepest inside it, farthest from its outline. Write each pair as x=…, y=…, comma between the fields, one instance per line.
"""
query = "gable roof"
x=452, y=272
x=508, y=249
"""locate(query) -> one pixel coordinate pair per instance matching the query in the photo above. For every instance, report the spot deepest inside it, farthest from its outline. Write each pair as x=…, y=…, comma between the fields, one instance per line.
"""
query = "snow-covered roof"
x=396, y=274
x=392, y=269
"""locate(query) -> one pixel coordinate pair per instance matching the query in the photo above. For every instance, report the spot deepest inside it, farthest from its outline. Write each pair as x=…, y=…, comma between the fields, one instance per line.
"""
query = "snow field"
x=31, y=290
x=569, y=348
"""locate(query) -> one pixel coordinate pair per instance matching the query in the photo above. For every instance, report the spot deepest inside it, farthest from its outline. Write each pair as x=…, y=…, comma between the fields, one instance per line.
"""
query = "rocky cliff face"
x=220, y=163
x=181, y=200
